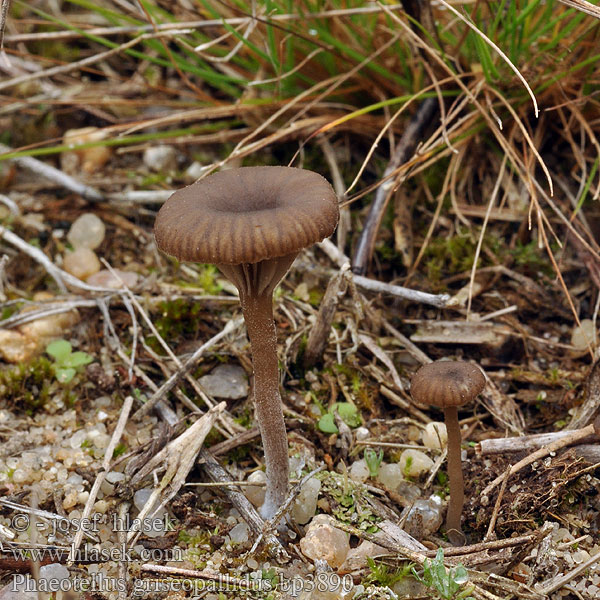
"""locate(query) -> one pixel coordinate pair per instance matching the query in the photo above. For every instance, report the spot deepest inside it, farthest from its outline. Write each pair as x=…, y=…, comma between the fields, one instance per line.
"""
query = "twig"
x=497, y=505
x=46, y=171
x=204, y=23
x=114, y=440
x=247, y=511
x=48, y=310
x=141, y=196
x=185, y=368
x=86, y=62
x=37, y=255
x=486, y=546
x=545, y=451
x=273, y=523
x=177, y=458
x=525, y=443
x=591, y=404
x=319, y=333
x=558, y=582
x=438, y=300
x=404, y=150
x=238, y=440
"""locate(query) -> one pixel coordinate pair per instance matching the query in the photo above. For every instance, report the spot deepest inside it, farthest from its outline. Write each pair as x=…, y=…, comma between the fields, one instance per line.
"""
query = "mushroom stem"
x=455, y=477
x=258, y=314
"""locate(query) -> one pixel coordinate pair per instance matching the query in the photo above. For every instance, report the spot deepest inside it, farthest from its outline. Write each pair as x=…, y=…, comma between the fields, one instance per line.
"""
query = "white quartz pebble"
x=414, y=463
x=434, y=434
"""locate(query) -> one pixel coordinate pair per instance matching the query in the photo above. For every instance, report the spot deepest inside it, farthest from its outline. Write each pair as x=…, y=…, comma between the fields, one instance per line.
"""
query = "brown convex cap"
x=247, y=215
x=447, y=383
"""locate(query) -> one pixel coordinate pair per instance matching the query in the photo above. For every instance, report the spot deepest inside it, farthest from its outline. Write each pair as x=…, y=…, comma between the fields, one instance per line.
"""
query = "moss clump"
x=448, y=256
x=29, y=385
x=178, y=319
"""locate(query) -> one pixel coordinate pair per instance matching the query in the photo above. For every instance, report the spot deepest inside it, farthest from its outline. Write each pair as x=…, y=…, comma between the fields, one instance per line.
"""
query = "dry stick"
x=525, y=443
x=542, y=452
x=256, y=523
x=558, y=582
x=114, y=440
x=48, y=310
x=37, y=255
x=128, y=296
x=463, y=551
x=537, y=538
x=85, y=62
x=592, y=397
x=439, y=300
x=319, y=333
x=408, y=554
x=496, y=510
x=185, y=368
x=41, y=169
x=204, y=23
x=405, y=149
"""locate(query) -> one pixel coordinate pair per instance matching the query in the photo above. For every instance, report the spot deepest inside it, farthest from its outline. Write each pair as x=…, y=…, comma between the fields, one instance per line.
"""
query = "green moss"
x=207, y=279
x=29, y=385
x=448, y=256
x=178, y=319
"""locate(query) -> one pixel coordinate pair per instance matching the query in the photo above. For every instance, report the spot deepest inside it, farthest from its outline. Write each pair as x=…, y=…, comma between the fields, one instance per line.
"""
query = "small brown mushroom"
x=448, y=385
x=251, y=223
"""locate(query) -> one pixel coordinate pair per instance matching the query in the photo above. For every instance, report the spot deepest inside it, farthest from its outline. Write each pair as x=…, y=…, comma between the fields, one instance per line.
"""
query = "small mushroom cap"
x=447, y=383
x=247, y=215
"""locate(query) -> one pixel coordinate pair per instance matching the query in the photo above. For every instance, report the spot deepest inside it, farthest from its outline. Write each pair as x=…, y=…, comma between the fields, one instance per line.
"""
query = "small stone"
x=408, y=587
x=226, y=381
x=414, y=463
x=195, y=171
x=424, y=517
x=81, y=263
x=77, y=439
x=45, y=329
x=357, y=557
x=15, y=347
x=323, y=541
x=434, y=434
x=390, y=476
x=87, y=231
x=114, y=279
x=101, y=506
x=70, y=500
x=584, y=335
x=90, y=159
x=359, y=470
x=161, y=159
x=305, y=506
x=256, y=493
x=361, y=434
x=239, y=533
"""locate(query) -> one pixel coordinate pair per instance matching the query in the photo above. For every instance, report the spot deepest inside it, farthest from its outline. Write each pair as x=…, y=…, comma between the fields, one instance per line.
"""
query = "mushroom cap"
x=447, y=383
x=247, y=215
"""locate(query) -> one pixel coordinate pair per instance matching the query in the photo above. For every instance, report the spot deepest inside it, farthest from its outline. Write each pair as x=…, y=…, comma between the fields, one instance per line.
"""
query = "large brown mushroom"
x=448, y=385
x=251, y=223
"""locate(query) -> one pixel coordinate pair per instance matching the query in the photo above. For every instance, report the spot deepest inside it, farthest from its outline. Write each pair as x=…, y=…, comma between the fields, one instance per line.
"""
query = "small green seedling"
x=373, y=460
x=448, y=583
x=66, y=362
x=347, y=412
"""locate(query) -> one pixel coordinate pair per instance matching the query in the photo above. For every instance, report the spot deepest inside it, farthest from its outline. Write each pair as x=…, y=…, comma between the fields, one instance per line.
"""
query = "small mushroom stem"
x=455, y=477
x=258, y=314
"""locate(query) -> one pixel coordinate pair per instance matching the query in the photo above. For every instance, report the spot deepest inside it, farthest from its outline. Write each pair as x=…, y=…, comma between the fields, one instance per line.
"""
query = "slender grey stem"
x=455, y=477
x=258, y=313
